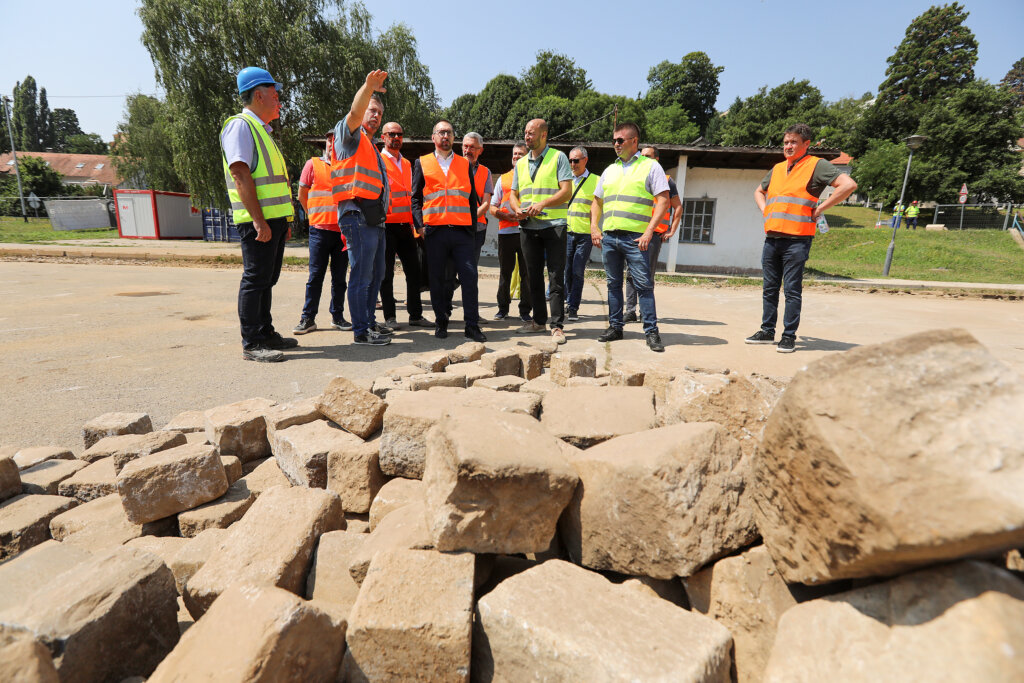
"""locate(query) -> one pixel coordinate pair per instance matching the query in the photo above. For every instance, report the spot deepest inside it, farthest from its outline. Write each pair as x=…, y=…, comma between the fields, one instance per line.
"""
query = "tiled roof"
x=73, y=168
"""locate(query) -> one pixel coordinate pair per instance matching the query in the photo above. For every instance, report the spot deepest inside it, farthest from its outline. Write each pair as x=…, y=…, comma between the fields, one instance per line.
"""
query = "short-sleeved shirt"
x=306, y=177
x=562, y=172
x=655, y=183
x=237, y=141
x=346, y=143
x=673, y=189
x=824, y=175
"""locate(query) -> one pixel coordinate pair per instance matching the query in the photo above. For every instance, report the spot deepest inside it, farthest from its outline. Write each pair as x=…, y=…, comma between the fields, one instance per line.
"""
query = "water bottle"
x=822, y=224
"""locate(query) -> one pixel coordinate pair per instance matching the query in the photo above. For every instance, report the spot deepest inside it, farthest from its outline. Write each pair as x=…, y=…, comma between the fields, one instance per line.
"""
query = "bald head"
x=392, y=133
x=536, y=135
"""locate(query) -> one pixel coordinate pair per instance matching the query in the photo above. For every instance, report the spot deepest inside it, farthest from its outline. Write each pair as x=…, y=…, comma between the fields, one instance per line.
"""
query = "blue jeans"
x=325, y=246
x=782, y=262
x=577, y=255
x=653, y=250
x=620, y=250
x=366, y=254
x=261, y=266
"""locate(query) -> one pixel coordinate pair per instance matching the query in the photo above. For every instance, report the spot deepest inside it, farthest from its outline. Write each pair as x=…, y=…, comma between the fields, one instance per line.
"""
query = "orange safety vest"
x=400, y=183
x=506, y=205
x=480, y=181
x=323, y=211
x=446, y=197
x=358, y=177
x=789, y=207
x=666, y=220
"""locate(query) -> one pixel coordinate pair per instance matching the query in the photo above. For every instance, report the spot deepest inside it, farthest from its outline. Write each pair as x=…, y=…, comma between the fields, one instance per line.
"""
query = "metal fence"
x=973, y=216
x=11, y=206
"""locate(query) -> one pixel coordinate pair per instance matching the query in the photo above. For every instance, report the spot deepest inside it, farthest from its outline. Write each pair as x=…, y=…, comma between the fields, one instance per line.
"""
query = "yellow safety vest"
x=270, y=176
x=579, y=207
x=541, y=186
x=627, y=203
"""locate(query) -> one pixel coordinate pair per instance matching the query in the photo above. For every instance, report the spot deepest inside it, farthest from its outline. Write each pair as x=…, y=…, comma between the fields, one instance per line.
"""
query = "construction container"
x=218, y=226
x=155, y=215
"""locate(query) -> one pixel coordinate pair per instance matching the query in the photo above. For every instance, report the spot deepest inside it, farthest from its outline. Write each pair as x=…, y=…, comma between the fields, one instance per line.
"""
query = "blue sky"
x=76, y=49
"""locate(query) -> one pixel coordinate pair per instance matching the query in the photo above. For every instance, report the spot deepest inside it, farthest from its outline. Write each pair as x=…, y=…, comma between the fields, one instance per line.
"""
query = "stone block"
x=25, y=521
x=585, y=416
x=466, y=352
x=232, y=467
x=29, y=457
x=112, y=424
x=93, y=621
x=219, y=513
x=657, y=378
x=351, y=407
x=329, y=580
x=435, y=361
x=469, y=372
x=194, y=554
x=539, y=386
x=413, y=618
x=547, y=348
x=957, y=622
x=494, y=483
x=166, y=483
x=353, y=472
x=403, y=528
x=627, y=374
x=383, y=385
x=271, y=545
x=285, y=415
x=260, y=634
x=745, y=594
x=892, y=456
x=499, y=401
x=164, y=547
x=408, y=417
x=502, y=362
x=187, y=422
x=575, y=625
x=46, y=476
x=403, y=371
x=565, y=365
x=645, y=500
x=89, y=483
x=36, y=567
x=586, y=382
x=532, y=361
x=500, y=383
x=301, y=451
x=10, y=479
x=267, y=475
x=240, y=428
x=430, y=380
x=127, y=447
x=23, y=658
x=359, y=524
x=396, y=493
x=101, y=524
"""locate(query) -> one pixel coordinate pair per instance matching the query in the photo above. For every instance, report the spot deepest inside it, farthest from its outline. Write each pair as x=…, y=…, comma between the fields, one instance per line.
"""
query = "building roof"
x=843, y=159
x=73, y=168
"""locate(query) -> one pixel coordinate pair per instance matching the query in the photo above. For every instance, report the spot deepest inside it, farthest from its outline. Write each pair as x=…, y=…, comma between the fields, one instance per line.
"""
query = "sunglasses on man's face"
x=575, y=161
x=621, y=141
x=393, y=135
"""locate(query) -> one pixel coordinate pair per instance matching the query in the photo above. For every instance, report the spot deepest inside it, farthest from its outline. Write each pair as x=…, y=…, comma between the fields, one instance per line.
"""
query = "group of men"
x=911, y=212
x=367, y=206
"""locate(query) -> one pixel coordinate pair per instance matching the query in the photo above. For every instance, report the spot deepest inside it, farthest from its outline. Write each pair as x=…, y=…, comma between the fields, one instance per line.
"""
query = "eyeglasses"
x=575, y=161
x=394, y=135
x=621, y=141
x=444, y=133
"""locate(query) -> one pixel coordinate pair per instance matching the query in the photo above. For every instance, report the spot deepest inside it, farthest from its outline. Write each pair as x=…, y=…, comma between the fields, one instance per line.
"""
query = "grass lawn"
x=951, y=256
x=854, y=217
x=39, y=230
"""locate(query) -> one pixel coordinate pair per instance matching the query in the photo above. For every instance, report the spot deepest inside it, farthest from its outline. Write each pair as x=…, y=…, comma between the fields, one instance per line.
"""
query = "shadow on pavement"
x=816, y=344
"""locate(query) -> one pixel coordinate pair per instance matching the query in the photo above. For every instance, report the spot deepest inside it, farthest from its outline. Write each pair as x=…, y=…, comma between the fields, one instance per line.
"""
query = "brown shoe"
x=530, y=328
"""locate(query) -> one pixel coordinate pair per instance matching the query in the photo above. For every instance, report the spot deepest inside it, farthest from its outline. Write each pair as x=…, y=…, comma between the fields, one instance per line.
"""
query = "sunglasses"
x=575, y=161
x=621, y=141
x=394, y=135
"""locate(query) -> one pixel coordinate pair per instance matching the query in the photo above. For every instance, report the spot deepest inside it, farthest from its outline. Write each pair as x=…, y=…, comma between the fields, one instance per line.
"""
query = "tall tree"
x=555, y=74
x=142, y=150
x=45, y=122
x=65, y=126
x=493, y=104
x=460, y=113
x=761, y=119
x=670, y=125
x=843, y=117
x=1014, y=80
x=86, y=143
x=320, y=49
x=692, y=84
x=26, y=116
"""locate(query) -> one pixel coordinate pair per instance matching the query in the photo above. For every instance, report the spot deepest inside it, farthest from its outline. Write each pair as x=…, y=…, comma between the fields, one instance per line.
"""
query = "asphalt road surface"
x=79, y=340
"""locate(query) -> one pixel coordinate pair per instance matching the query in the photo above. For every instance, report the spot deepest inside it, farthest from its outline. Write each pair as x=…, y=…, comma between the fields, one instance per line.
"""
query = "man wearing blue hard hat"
x=261, y=206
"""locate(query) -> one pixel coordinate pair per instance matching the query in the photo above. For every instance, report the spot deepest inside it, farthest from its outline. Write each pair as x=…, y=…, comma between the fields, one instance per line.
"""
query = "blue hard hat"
x=252, y=76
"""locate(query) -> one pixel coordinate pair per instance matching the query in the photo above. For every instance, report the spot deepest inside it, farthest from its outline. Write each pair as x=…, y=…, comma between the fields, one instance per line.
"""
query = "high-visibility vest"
x=912, y=211
x=627, y=203
x=400, y=185
x=542, y=186
x=666, y=218
x=480, y=182
x=270, y=176
x=358, y=177
x=446, y=196
x=789, y=207
x=579, y=207
x=506, y=227
x=897, y=210
x=322, y=210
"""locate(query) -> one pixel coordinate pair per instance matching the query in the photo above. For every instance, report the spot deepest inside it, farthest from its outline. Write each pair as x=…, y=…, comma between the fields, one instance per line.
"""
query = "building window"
x=698, y=223
x=98, y=167
x=80, y=165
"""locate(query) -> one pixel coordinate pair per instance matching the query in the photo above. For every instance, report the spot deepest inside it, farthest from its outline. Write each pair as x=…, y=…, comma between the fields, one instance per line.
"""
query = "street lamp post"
x=913, y=142
x=14, y=156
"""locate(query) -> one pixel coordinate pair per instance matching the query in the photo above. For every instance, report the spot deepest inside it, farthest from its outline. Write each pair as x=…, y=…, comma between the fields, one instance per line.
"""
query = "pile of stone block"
x=527, y=514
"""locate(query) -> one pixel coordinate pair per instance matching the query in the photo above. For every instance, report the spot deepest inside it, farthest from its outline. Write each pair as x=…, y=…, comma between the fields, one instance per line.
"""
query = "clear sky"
x=88, y=54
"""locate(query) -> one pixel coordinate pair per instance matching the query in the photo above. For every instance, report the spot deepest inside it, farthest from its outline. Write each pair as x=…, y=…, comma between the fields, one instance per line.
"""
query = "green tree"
x=320, y=49
x=670, y=125
x=65, y=125
x=86, y=143
x=36, y=176
x=692, y=84
x=1014, y=80
x=555, y=74
x=843, y=117
x=460, y=113
x=761, y=119
x=879, y=171
x=45, y=122
x=26, y=116
x=493, y=104
x=142, y=151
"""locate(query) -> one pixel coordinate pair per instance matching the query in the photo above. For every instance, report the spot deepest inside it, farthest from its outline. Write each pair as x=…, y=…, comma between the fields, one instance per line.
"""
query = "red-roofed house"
x=74, y=169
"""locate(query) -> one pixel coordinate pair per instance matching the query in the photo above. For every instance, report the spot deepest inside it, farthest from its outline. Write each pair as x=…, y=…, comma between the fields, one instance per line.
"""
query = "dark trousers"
x=510, y=249
x=782, y=262
x=400, y=241
x=546, y=245
x=458, y=244
x=261, y=266
x=451, y=279
x=577, y=254
x=653, y=250
x=326, y=246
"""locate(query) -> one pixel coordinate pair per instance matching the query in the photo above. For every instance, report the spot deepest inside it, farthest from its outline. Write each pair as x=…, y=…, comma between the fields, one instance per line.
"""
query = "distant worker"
x=541, y=186
x=361, y=191
x=326, y=244
x=897, y=215
x=400, y=235
x=912, y=213
x=630, y=201
x=578, y=243
x=261, y=207
x=509, y=248
x=444, y=206
x=665, y=231
x=788, y=200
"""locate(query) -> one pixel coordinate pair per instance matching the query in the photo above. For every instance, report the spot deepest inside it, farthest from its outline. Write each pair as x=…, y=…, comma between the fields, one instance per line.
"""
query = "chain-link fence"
x=973, y=216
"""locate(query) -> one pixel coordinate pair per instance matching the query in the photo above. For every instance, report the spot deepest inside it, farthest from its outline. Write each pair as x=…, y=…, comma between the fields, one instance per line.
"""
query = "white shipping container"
x=154, y=215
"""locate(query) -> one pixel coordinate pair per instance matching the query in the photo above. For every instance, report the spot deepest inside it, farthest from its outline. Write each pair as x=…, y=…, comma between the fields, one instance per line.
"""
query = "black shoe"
x=573, y=317
x=654, y=342
x=476, y=334
x=372, y=338
x=786, y=345
x=342, y=324
x=611, y=334
x=630, y=317
x=760, y=337
x=261, y=354
x=526, y=317
x=382, y=330
x=305, y=326
x=500, y=316
x=279, y=343
x=420, y=322
x=441, y=332
x=392, y=323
